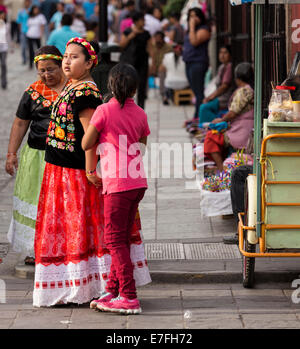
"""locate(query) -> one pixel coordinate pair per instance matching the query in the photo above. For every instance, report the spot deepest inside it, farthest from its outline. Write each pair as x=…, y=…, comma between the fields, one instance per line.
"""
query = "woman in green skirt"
x=33, y=112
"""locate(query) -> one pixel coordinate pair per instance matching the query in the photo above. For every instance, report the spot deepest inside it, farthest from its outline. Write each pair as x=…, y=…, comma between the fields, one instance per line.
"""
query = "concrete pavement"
x=196, y=279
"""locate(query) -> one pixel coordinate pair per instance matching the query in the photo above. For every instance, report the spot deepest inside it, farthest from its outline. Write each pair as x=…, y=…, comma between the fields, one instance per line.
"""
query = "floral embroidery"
x=35, y=95
x=63, y=108
x=46, y=103
x=39, y=98
x=61, y=131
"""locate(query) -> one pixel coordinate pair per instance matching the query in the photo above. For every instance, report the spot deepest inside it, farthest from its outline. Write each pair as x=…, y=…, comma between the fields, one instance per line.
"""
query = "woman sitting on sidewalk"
x=218, y=100
x=238, y=120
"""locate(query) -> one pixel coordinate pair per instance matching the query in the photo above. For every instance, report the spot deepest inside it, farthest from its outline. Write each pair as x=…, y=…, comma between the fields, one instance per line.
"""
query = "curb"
x=181, y=277
x=224, y=277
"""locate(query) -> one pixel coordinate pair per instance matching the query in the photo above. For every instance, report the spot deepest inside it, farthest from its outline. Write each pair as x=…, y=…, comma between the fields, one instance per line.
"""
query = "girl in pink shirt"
x=120, y=126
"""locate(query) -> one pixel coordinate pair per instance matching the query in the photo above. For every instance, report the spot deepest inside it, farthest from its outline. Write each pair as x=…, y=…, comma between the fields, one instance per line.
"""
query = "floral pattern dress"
x=72, y=263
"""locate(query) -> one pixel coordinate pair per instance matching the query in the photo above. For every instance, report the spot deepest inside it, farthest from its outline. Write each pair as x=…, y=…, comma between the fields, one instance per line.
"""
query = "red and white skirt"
x=72, y=263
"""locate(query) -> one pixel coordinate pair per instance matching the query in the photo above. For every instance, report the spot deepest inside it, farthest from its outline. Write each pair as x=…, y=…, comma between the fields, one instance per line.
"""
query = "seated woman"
x=239, y=119
x=218, y=100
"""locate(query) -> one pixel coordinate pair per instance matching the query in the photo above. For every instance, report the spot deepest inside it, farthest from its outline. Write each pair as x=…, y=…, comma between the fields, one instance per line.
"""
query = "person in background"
x=22, y=19
x=92, y=31
x=95, y=16
x=195, y=53
x=153, y=21
x=218, y=100
x=33, y=114
x=55, y=21
x=158, y=51
x=136, y=46
x=89, y=7
x=60, y=37
x=239, y=119
x=13, y=9
x=175, y=31
x=78, y=24
x=4, y=45
x=126, y=23
x=48, y=8
x=71, y=6
x=36, y=26
x=3, y=8
x=125, y=12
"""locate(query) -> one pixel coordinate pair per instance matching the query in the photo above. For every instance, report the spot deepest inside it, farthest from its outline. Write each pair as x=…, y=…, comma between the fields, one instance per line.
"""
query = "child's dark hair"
x=49, y=50
x=122, y=82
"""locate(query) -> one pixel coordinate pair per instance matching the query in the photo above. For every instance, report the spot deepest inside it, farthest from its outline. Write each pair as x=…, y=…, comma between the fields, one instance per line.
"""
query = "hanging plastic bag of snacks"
x=281, y=103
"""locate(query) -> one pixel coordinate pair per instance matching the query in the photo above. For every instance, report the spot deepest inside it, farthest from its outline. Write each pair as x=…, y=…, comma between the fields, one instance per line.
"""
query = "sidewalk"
x=178, y=240
x=196, y=278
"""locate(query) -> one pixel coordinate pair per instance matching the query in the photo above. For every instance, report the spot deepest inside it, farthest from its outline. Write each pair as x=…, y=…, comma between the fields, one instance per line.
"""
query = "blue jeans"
x=195, y=72
x=209, y=111
x=24, y=44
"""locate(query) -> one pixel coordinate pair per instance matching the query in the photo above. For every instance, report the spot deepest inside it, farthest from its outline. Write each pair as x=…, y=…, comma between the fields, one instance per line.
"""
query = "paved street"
x=196, y=279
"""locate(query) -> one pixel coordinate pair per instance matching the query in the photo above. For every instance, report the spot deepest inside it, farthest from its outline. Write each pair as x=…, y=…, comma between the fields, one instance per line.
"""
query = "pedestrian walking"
x=59, y=37
x=136, y=45
x=36, y=26
x=72, y=263
x=4, y=44
x=195, y=53
x=22, y=20
x=123, y=184
x=33, y=113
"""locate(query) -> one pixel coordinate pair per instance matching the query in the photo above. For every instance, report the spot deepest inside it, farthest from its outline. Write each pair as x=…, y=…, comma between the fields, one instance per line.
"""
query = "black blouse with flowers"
x=65, y=132
x=35, y=106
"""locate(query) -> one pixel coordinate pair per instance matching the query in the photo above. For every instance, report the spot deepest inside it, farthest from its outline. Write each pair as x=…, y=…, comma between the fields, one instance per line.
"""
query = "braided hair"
x=122, y=82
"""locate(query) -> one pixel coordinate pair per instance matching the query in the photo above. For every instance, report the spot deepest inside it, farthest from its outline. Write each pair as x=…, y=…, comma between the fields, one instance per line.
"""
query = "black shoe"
x=231, y=240
x=165, y=101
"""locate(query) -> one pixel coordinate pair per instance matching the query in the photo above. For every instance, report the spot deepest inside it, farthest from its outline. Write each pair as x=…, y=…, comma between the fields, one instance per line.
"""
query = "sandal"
x=29, y=260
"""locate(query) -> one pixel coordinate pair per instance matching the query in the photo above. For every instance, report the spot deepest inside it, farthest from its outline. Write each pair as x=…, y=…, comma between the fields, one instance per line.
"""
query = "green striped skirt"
x=25, y=200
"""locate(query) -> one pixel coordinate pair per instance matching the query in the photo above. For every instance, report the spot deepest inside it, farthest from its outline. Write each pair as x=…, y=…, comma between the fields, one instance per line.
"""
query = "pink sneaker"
x=121, y=305
x=106, y=297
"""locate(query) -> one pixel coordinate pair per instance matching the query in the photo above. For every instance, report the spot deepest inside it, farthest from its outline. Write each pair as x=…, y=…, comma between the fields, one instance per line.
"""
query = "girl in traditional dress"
x=72, y=263
x=124, y=184
x=34, y=112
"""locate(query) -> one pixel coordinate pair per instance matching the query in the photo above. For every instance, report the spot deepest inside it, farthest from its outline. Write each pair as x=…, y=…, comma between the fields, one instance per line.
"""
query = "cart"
x=270, y=223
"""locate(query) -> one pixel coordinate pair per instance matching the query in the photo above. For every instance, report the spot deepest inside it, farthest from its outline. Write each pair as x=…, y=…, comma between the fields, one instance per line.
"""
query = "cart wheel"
x=248, y=262
x=248, y=265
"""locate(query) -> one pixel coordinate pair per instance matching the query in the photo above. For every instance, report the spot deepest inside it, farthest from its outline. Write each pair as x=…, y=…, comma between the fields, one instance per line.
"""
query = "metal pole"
x=257, y=107
x=103, y=34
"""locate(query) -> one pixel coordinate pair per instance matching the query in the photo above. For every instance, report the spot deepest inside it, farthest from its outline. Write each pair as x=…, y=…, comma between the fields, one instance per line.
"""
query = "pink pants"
x=119, y=214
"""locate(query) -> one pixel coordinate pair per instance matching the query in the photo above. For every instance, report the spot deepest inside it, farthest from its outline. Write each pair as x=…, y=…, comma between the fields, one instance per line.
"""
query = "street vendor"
x=236, y=125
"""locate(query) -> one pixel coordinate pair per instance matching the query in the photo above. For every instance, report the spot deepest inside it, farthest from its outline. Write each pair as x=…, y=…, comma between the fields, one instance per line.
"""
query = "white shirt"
x=152, y=24
x=4, y=36
x=34, y=26
x=79, y=27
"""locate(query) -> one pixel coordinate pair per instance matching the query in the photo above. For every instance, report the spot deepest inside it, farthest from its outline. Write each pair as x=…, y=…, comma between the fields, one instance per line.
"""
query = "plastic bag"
x=215, y=203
